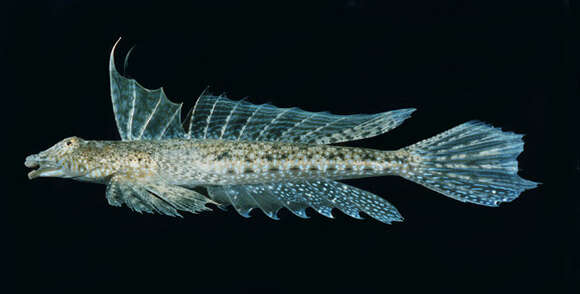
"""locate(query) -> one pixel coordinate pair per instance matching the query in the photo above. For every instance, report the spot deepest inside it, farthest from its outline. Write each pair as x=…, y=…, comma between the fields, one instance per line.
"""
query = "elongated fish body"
x=261, y=156
x=224, y=162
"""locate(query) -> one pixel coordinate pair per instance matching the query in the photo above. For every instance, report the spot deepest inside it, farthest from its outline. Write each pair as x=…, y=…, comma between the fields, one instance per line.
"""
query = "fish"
x=250, y=156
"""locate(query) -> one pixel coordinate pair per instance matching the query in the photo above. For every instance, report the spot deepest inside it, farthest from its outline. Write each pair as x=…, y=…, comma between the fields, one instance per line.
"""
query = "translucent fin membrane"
x=473, y=162
x=217, y=117
x=154, y=197
x=322, y=196
x=142, y=113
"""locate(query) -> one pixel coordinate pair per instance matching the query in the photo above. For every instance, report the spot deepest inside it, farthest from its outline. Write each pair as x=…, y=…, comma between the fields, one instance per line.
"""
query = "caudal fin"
x=473, y=162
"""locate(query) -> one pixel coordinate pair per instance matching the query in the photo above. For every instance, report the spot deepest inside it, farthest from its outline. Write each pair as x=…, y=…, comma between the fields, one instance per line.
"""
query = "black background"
x=513, y=64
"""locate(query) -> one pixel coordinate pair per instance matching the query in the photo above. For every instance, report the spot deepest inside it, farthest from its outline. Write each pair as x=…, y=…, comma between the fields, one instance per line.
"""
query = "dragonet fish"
x=261, y=156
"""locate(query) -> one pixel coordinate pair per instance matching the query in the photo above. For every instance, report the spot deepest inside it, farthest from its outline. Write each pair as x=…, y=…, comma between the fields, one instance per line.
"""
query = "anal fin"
x=322, y=196
x=234, y=195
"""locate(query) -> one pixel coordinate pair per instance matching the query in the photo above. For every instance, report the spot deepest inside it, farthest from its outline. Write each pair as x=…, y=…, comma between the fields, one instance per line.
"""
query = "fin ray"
x=234, y=196
x=146, y=114
x=154, y=196
x=217, y=117
x=141, y=113
x=473, y=162
x=322, y=196
x=179, y=197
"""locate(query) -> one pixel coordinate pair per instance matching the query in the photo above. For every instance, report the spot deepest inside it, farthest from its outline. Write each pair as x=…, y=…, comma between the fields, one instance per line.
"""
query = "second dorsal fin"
x=217, y=117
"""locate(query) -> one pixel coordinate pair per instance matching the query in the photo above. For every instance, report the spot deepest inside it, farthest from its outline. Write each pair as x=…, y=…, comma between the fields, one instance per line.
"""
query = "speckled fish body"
x=224, y=162
x=221, y=162
x=261, y=156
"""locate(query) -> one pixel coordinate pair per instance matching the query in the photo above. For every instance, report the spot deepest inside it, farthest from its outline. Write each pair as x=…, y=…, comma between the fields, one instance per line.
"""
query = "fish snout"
x=32, y=161
x=43, y=167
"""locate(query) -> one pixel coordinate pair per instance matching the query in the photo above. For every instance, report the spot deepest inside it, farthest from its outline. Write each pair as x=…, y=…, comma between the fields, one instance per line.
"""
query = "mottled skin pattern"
x=221, y=162
x=217, y=162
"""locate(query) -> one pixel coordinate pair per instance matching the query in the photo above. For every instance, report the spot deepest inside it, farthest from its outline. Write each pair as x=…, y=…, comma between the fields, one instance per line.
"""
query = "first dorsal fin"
x=142, y=113
x=148, y=114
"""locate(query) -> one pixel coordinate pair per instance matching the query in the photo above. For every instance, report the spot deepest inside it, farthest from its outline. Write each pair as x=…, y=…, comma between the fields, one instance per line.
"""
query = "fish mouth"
x=43, y=168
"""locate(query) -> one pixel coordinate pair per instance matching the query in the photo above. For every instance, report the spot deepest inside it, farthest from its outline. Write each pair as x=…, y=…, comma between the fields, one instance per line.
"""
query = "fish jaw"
x=44, y=169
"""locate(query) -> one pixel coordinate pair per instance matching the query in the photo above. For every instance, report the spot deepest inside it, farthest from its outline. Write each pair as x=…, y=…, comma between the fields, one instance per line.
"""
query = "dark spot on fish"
x=248, y=171
x=230, y=171
x=269, y=157
x=273, y=169
x=223, y=155
x=294, y=168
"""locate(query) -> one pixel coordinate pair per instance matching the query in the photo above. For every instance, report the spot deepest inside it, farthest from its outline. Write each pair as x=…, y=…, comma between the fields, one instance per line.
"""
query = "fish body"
x=261, y=156
x=225, y=162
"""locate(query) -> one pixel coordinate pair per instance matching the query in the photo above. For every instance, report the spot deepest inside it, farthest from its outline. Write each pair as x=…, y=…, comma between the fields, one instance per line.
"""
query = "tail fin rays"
x=473, y=162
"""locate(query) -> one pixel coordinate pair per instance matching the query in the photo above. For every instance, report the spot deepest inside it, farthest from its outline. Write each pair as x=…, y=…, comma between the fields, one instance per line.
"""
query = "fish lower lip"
x=33, y=174
x=45, y=172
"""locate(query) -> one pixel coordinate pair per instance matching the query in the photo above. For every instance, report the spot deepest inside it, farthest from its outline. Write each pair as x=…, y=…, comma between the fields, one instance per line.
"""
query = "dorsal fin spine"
x=132, y=113
x=177, y=111
x=149, y=118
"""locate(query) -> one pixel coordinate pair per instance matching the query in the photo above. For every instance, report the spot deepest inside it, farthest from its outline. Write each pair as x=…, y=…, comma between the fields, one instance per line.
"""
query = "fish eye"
x=68, y=143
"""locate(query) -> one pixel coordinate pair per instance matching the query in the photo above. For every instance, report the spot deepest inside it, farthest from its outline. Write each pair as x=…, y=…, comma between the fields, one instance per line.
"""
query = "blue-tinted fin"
x=141, y=113
x=217, y=117
x=288, y=195
x=473, y=162
x=264, y=199
x=233, y=195
x=322, y=196
x=351, y=200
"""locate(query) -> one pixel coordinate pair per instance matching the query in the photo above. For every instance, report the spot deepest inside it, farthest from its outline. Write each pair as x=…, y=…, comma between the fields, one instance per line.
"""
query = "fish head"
x=58, y=160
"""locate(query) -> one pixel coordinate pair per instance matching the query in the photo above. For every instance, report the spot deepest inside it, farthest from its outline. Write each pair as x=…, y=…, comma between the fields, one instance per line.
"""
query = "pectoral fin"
x=179, y=197
x=154, y=196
